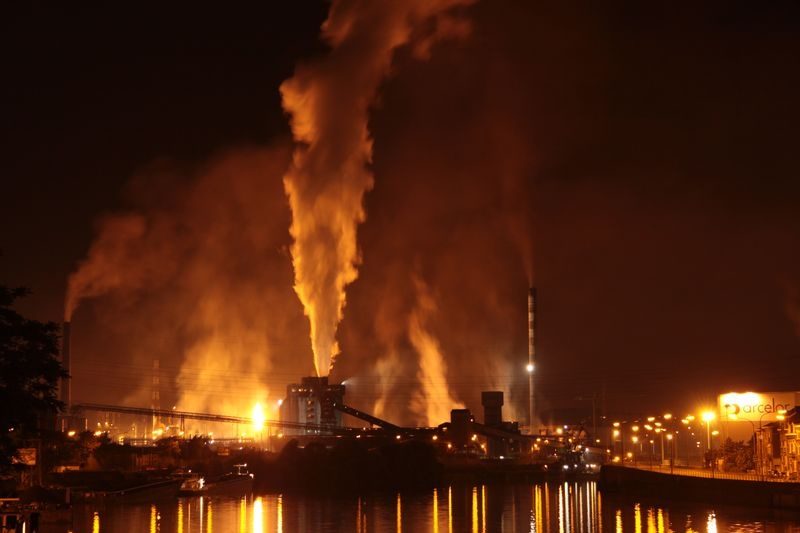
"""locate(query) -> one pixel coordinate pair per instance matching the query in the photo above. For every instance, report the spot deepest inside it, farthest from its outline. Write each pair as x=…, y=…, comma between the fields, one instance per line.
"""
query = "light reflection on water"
x=565, y=507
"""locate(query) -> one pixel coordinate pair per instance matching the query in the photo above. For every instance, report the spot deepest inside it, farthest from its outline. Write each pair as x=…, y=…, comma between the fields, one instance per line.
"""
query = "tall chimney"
x=155, y=394
x=66, y=393
x=531, y=367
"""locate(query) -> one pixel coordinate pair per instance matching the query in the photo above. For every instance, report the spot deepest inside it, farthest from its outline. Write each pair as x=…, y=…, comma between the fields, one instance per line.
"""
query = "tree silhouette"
x=29, y=374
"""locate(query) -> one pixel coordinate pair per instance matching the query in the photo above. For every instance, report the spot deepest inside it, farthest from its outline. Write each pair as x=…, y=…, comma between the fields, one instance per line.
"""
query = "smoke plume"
x=433, y=400
x=195, y=274
x=329, y=103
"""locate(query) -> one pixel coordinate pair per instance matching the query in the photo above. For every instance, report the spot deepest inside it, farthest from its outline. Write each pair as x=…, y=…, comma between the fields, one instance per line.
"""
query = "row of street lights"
x=660, y=426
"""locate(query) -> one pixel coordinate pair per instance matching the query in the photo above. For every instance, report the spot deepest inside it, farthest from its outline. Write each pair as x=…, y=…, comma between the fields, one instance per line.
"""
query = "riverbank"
x=626, y=480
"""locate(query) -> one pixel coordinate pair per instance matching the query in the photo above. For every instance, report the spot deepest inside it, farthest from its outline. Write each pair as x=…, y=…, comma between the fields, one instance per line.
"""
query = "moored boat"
x=231, y=483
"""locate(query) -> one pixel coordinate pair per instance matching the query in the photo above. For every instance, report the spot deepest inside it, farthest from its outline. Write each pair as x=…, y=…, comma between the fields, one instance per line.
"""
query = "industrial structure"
x=314, y=410
x=531, y=366
x=313, y=401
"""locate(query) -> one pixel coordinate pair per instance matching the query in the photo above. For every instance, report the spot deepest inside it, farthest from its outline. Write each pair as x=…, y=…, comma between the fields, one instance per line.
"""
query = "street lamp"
x=708, y=416
x=671, y=453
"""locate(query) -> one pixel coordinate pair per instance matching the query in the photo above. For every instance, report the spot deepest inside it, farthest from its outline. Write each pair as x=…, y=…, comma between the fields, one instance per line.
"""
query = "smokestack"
x=492, y=402
x=66, y=393
x=155, y=394
x=531, y=366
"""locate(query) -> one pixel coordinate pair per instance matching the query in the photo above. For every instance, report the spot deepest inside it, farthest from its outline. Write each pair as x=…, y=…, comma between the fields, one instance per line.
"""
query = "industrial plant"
x=316, y=410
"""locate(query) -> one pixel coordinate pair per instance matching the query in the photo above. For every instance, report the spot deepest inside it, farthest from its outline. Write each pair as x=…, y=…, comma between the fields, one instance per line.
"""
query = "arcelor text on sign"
x=756, y=407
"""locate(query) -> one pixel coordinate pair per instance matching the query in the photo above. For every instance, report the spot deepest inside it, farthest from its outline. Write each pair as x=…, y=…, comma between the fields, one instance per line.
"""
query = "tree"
x=29, y=375
x=737, y=456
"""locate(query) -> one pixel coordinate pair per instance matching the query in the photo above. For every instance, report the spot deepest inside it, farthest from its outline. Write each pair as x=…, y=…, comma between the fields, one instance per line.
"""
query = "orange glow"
x=434, y=400
x=258, y=418
x=330, y=171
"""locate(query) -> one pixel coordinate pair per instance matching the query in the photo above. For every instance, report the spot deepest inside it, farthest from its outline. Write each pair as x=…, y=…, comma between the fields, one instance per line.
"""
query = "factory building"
x=312, y=402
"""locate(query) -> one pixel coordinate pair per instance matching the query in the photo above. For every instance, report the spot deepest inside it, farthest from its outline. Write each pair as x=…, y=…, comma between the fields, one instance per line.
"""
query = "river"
x=541, y=507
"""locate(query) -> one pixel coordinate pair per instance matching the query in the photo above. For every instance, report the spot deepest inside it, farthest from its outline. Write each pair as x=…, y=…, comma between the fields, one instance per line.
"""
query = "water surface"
x=541, y=507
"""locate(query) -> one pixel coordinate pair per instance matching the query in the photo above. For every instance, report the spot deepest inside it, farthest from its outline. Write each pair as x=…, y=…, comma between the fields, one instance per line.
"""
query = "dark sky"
x=653, y=150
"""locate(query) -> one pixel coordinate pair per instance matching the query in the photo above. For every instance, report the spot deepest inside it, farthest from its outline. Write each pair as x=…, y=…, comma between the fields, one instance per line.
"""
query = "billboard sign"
x=757, y=407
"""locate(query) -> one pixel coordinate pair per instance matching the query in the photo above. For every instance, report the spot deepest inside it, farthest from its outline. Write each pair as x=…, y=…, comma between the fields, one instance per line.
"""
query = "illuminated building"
x=312, y=402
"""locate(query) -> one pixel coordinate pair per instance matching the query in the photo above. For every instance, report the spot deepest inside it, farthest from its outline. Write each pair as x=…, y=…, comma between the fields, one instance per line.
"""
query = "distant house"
x=780, y=449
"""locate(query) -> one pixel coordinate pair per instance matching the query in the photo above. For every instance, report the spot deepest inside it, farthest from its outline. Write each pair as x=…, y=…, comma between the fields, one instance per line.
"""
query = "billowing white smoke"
x=329, y=102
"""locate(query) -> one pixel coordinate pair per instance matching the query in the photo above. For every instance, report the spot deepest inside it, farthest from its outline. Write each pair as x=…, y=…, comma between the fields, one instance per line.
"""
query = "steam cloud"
x=197, y=270
x=433, y=399
x=199, y=279
x=329, y=104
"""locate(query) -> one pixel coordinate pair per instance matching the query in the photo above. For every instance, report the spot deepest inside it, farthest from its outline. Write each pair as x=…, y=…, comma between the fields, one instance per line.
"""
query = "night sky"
x=646, y=154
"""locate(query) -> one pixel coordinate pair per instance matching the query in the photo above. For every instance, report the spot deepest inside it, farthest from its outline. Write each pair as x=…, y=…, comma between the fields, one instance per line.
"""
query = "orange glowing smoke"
x=329, y=102
x=100, y=272
x=433, y=401
x=198, y=279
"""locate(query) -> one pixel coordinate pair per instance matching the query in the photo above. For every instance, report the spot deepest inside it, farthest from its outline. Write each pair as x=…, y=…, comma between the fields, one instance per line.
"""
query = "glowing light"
x=280, y=513
x=669, y=436
x=243, y=515
x=529, y=368
x=708, y=416
x=435, y=437
x=180, y=518
x=711, y=523
x=153, y=519
x=667, y=416
x=258, y=418
x=475, y=523
x=258, y=515
x=449, y=509
x=435, y=512
x=96, y=522
x=71, y=433
x=399, y=514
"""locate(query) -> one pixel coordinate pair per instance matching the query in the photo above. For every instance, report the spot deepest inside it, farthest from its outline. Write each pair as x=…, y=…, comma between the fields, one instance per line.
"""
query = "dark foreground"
x=542, y=507
x=632, y=481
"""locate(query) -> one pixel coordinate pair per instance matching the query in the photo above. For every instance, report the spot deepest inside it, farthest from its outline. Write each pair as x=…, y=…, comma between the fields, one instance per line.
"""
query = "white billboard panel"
x=757, y=407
